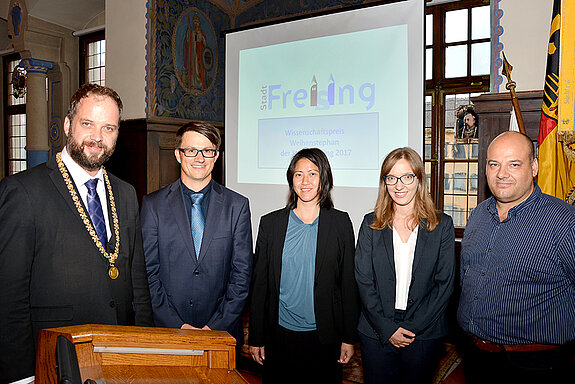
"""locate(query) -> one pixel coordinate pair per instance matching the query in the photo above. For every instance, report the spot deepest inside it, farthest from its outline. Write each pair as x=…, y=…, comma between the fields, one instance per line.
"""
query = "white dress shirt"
x=403, y=254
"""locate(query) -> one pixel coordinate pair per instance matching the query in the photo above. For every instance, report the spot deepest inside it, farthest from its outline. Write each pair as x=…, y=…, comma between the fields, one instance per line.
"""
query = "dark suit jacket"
x=433, y=274
x=52, y=274
x=335, y=292
x=212, y=289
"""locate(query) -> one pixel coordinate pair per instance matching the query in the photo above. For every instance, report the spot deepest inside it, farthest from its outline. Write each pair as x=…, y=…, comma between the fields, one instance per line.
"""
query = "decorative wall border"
x=147, y=57
x=497, y=48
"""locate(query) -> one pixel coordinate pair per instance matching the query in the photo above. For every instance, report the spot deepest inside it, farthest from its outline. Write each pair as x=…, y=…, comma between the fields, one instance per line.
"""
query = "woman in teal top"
x=304, y=302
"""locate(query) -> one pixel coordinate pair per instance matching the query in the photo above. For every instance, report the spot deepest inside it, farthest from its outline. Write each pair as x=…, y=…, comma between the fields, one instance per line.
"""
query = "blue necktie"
x=95, y=211
x=197, y=221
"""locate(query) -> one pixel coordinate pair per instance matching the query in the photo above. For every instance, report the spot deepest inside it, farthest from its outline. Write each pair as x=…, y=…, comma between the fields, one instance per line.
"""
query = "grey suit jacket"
x=212, y=289
x=51, y=272
x=433, y=275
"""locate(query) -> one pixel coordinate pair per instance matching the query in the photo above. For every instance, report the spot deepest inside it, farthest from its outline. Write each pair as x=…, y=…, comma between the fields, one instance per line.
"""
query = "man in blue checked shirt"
x=517, y=302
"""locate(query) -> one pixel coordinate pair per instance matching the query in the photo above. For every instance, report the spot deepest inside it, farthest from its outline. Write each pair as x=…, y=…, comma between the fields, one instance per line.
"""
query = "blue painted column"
x=37, y=144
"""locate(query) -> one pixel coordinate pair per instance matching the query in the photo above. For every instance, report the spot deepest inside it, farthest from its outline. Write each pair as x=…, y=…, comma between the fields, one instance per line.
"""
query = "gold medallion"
x=111, y=257
x=113, y=272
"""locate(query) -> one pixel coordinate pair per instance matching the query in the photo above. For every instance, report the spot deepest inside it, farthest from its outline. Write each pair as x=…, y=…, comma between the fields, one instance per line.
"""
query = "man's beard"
x=92, y=162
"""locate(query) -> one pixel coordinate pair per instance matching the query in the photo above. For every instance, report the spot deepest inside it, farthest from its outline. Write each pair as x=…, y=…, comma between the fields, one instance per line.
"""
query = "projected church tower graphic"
x=331, y=91
x=313, y=93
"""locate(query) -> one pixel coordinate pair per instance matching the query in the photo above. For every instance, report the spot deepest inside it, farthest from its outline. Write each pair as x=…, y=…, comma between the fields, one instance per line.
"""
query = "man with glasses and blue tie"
x=198, y=242
x=70, y=239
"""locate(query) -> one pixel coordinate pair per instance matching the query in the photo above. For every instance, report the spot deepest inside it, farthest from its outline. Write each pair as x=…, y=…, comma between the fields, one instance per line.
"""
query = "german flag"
x=556, y=171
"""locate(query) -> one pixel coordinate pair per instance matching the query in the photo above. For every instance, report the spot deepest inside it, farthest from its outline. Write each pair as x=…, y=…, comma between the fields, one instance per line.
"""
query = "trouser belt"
x=490, y=346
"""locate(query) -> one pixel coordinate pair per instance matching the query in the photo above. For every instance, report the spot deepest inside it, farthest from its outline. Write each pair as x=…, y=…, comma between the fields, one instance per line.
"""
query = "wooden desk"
x=138, y=355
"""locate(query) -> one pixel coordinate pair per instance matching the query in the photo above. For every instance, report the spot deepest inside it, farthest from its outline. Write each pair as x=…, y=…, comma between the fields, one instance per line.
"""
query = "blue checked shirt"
x=518, y=275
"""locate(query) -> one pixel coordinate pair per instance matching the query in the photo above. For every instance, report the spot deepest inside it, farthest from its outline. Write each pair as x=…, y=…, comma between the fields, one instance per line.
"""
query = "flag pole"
x=507, y=68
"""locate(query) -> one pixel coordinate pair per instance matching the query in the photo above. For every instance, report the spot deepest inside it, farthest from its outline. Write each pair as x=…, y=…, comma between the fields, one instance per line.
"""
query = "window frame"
x=84, y=41
x=440, y=86
x=9, y=110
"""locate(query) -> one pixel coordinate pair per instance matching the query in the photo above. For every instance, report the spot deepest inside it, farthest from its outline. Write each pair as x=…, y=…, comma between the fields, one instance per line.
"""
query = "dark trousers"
x=548, y=367
x=414, y=364
x=299, y=357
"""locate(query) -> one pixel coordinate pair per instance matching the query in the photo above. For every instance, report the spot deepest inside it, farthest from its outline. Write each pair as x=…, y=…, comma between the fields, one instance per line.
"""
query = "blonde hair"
x=424, y=208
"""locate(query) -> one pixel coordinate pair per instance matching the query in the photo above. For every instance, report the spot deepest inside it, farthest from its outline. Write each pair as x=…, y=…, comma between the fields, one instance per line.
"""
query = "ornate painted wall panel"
x=185, y=60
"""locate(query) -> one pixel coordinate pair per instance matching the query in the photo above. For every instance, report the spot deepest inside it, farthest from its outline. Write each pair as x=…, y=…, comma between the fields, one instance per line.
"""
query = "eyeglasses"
x=406, y=179
x=193, y=152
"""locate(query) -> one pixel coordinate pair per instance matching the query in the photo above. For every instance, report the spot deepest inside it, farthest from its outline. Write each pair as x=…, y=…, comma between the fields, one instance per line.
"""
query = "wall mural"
x=185, y=54
x=194, y=50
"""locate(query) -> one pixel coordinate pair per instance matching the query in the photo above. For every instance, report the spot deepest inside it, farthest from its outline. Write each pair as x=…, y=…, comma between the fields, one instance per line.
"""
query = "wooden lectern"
x=121, y=354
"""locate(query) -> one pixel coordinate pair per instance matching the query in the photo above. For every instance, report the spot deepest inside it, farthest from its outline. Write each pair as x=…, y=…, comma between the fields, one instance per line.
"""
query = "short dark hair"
x=205, y=129
x=316, y=156
x=89, y=90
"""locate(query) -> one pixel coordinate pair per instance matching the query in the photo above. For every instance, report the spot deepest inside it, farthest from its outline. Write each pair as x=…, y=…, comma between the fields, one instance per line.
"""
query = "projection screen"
x=350, y=83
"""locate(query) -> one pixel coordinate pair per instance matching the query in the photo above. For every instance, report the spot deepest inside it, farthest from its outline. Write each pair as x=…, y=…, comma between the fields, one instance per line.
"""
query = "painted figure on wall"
x=194, y=46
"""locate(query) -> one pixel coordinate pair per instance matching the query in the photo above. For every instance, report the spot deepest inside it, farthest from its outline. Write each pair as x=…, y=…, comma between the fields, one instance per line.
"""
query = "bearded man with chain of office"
x=70, y=240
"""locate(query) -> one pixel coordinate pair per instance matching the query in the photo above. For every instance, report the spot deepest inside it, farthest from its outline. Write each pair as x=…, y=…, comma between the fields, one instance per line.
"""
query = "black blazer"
x=433, y=274
x=335, y=292
x=52, y=274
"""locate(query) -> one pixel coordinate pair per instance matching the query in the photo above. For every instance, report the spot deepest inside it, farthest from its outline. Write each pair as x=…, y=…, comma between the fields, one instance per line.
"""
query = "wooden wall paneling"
x=162, y=165
x=168, y=166
x=129, y=159
x=153, y=162
x=494, y=116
